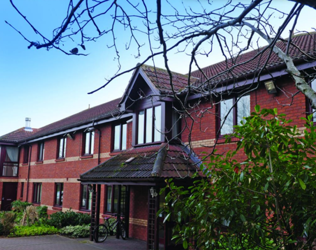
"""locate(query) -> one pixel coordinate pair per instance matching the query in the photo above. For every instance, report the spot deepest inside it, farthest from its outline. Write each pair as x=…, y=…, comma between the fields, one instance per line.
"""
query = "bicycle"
x=109, y=228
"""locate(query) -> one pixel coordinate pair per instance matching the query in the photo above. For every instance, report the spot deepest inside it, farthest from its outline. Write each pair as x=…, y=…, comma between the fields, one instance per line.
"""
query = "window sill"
x=57, y=208
x=39, y=162
x=60, y=160
x=24, y=164
x=86, y=156
x=84, y=211
x=36, y=204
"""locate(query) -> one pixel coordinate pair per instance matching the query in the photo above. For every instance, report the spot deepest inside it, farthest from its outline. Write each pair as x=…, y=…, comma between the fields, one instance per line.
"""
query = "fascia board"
x=253, y=80
x=77, y=128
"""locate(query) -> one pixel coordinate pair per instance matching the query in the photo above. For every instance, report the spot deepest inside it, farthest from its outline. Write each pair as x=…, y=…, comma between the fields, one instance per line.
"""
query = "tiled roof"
x=96, y=113
x=160, y=78
x=159, y=161
x=249, y=64
x=17, y=135
x=243, y=67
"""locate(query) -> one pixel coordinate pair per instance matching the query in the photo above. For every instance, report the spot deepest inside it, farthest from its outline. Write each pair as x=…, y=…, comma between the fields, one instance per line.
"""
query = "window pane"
x=39, y=193
x=87, y=143
x=141, y=127
x=84, y=196
x=115, y=202
x=117, y=137
x=157, y=135
x=149, y=125
x=89, y=201
x=92, y=143
x=243, y=108
x=61, y=145
x=225, y=107
x=109, y=199
x=65, y=142
x=124, y=136
x=11, y=154
x=57, y=194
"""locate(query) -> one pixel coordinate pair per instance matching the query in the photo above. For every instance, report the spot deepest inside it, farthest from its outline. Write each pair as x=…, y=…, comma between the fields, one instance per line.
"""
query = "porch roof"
x=150, y=163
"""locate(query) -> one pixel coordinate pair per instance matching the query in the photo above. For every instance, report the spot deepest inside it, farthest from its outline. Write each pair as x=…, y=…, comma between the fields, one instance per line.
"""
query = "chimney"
x=28, y=124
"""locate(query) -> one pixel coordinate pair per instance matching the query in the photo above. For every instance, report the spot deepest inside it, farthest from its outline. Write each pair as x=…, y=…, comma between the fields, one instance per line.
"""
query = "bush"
x=76, y=231
x=19, y=206
x=68, y=218
x=33, y=230
x=7, y=222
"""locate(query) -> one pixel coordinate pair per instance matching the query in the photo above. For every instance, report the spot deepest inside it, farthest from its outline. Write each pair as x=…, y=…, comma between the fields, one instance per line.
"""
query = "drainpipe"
x=28, y=174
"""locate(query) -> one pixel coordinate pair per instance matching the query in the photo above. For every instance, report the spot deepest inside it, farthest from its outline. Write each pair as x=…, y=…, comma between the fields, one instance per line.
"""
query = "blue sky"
x=48, y=85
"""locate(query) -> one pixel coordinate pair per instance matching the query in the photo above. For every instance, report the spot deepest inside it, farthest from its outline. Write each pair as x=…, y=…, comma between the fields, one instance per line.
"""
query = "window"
x=112, y=195
x=62, y=147
x=149, y=125
x=312, y=110
x=232, y=113
x=37, y=192
x=40, y=151
x=59, y=191
x=86, y=197
x=88, y=142
x=26, y=154
x=120, y=135
x=22, y=189
x=9, y=161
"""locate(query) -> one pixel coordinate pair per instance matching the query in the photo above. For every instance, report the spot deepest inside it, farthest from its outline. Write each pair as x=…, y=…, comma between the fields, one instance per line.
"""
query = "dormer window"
x=149, y=125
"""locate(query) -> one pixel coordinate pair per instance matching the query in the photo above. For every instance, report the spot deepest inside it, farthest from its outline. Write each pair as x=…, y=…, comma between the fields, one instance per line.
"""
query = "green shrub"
x=68, y=218
x=7, y=222
x=76, y=231
x=19, y=206
x=33, y=230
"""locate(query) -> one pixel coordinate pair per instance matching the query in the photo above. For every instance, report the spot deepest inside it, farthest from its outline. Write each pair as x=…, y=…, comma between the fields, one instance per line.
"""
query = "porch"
x=138, y=175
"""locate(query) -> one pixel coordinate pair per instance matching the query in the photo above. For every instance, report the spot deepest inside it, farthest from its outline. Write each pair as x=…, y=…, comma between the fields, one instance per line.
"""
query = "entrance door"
x=8, y=195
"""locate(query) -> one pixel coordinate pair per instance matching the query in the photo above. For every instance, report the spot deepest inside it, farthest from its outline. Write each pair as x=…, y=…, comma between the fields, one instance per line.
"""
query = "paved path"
x=57, y=242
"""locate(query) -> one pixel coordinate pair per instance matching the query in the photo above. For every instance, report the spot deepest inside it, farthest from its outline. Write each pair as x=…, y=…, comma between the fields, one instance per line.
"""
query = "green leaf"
x=243, y=219
x=185, y=244
x=303, y=186
x=257, y=108
x=241, y=175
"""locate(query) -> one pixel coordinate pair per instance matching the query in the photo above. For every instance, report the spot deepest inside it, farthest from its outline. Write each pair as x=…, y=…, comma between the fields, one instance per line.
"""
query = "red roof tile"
x=17, y=135
x=96, y=113
x=160, y=79
x=251, y=63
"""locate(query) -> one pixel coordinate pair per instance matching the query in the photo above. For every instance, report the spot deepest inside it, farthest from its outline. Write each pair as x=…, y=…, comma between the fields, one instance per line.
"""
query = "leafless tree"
x=161, y=28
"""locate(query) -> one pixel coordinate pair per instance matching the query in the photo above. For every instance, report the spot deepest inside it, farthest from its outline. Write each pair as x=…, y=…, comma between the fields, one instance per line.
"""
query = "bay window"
x=9, y=161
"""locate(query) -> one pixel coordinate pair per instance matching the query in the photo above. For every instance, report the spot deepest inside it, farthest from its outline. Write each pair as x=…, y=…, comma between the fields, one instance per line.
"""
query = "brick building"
x=114, y=158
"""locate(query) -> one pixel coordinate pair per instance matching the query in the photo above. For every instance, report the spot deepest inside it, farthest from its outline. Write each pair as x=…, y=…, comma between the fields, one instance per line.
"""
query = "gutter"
x=75, y=129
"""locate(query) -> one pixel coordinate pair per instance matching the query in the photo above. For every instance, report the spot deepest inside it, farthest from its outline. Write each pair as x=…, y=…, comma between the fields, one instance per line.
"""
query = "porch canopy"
x=149, y=165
